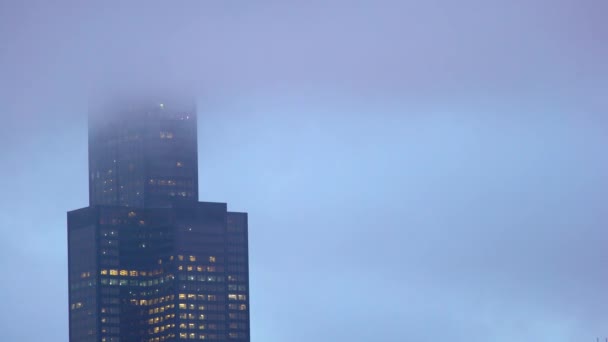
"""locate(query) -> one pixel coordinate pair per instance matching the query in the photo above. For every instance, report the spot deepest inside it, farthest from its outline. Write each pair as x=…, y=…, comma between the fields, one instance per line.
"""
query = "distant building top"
x=142, y=151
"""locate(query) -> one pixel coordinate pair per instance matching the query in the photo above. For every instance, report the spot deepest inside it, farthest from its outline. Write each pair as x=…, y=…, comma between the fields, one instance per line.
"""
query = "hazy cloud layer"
x=413, y=170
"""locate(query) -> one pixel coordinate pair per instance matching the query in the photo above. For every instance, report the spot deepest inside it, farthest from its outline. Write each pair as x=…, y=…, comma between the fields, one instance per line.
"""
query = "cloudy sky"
x=413, y=170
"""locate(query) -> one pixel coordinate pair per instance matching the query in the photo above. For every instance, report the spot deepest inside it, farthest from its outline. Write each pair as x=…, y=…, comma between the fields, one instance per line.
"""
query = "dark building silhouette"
x=147, y=260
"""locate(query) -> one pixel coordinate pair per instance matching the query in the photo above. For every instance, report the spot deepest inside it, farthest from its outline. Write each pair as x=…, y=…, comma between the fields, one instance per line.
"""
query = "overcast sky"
x=413, y=170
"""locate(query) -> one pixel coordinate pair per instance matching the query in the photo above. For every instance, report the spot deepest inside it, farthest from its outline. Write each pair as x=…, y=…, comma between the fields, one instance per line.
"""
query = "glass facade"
x=146, y=264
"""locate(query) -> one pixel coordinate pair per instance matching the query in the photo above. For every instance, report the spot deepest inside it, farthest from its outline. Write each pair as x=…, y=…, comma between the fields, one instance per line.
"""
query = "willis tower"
x=146, y=260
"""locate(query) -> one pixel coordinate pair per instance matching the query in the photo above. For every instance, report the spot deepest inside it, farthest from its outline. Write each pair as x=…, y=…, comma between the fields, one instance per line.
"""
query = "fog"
x=412, y=170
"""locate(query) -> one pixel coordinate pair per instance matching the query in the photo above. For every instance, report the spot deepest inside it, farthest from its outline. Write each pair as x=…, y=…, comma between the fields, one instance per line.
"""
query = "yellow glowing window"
x=104, y=272
x=182, y=296
x=124, y=272
x=211, y=259
x=199, y=268
x=182, y=306
x=190, y=268
x=133, y=273
x=113, y=272
x=192, y=258
x=242, y=307
x=232, y=297
x=191, y=296
x=180, y=267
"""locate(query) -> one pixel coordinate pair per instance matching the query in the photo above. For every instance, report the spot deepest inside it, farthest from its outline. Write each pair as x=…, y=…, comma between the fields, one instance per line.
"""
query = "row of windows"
x=143, y=302
x=161, y=329
x=197, y=268
x=193, y=326
x=140, y=283
x=130, y=273
x=192, y=258
x=160, y=319
x=241, y=307
x=233, y=296
x=201, y=278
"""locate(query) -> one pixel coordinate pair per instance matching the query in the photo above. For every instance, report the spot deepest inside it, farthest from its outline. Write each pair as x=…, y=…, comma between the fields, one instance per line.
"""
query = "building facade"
x=147, y=261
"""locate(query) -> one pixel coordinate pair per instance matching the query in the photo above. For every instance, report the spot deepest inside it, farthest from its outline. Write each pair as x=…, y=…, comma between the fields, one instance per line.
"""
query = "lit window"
x=166, y=135
x=211, y=259
x=192, y=258
x=113, y=272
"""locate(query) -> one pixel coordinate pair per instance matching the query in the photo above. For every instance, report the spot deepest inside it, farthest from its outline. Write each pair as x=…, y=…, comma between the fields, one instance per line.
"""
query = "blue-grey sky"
x=413, y=170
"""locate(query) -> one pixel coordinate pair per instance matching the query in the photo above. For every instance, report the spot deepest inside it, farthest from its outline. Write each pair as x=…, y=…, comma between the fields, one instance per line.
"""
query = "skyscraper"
x=147, y=261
